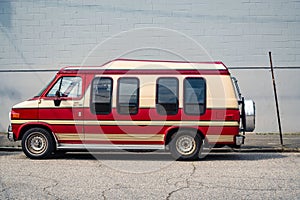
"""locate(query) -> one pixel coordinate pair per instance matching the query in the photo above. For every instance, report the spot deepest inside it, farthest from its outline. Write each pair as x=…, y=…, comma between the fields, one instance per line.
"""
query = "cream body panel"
x=220, y=92
x=27, y=104
x=70, y=103
x=154, y=65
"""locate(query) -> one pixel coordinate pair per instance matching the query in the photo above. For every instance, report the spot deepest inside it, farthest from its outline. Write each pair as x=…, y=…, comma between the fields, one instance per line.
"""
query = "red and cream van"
x=136, y=105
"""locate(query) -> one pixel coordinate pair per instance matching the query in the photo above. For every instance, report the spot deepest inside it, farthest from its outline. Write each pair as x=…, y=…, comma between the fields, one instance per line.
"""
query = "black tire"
x=37, y=143
x=186, y=145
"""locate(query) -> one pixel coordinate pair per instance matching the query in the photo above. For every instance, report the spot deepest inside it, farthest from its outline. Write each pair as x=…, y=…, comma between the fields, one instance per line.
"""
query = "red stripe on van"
x=150, y=114
x=144, y=114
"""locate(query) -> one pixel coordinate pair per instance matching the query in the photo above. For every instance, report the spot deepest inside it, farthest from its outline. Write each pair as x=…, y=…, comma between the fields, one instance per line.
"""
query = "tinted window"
x=194, y=96
x=101, y=96
x=128, y=95
x=167, y=96
x=67, y=86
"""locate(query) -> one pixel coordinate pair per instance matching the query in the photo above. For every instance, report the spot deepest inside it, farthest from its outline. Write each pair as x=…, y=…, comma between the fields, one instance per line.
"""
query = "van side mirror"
x=57, y=99
x=57, y=94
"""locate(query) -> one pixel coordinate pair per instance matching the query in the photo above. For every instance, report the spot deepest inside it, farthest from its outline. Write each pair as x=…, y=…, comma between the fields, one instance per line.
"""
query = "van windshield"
x=44, y=88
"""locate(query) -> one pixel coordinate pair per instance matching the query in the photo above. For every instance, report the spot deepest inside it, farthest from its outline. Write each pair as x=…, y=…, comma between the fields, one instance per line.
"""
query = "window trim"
x=93, y=111
x=138, y=95
x=177, y=95
x=205, y=96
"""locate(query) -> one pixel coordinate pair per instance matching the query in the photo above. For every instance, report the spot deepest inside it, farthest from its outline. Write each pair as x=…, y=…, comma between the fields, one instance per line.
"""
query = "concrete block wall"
x=50, y=34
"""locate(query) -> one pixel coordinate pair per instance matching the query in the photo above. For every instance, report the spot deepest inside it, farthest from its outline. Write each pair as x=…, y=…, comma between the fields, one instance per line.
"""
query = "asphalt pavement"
x=254, y=142
x=261, y=169
x=155, y=175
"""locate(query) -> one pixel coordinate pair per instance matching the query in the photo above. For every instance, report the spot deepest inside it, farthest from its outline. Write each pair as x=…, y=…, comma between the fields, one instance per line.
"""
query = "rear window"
x=167, y=96
x=194, y=96
x=128, y=96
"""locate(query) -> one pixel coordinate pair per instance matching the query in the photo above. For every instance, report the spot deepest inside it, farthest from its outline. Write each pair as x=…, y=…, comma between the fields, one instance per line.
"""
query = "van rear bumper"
x=239, y=140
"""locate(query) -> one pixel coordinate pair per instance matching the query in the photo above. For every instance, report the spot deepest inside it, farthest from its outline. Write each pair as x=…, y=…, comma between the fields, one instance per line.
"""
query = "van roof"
x=146, y=65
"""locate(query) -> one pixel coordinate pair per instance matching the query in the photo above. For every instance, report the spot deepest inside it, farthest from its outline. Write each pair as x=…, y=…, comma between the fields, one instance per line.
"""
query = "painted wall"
x=50, y=34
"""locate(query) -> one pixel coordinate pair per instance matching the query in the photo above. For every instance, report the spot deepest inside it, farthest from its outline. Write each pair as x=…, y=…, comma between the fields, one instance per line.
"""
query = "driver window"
x=68, y=86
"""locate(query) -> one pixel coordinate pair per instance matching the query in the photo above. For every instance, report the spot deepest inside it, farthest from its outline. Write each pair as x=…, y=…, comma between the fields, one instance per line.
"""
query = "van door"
x=98, y=110
x=61, y=109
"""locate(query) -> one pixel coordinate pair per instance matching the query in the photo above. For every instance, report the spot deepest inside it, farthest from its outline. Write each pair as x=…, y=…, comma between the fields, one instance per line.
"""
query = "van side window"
x=167, y=96
x=194, y=96
x=128, y=96
x=101, y=96
x=67, y=86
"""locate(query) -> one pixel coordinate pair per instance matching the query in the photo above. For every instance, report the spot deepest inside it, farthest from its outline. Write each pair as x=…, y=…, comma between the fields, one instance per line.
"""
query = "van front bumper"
x=10, y=134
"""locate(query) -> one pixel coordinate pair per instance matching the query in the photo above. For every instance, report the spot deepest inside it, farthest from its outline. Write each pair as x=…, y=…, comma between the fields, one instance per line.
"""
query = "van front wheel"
x=37, y=143
x=185, y=145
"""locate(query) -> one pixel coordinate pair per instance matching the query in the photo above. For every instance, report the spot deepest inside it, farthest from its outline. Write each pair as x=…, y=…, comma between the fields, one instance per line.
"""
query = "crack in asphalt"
x=4, y=190
x=6, y=195
x=114, y=187
x=186, y=181
x=103, y=193
x=48, y=192
x=106, y=190
x=183, y=181
x=249, y=189
x=44, y=189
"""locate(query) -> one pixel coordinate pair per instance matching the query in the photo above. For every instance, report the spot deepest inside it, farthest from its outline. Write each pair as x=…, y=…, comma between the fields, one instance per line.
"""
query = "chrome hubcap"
x=36, y=143
x=185, y=145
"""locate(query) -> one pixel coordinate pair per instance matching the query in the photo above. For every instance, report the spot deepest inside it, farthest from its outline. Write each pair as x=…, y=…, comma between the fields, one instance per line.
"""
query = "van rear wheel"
x=37, y=143
x=185, y=145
